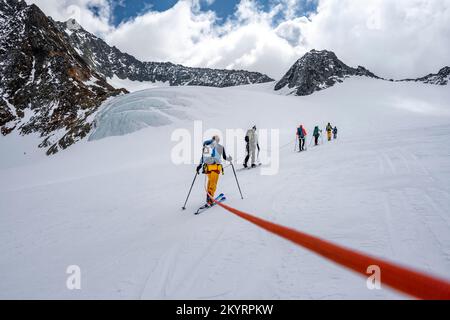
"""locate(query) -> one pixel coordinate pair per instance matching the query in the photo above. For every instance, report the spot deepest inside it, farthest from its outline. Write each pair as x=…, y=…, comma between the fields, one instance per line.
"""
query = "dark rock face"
x=110, y=61
x=46, y=86
x=318, y=70
x=441, y=78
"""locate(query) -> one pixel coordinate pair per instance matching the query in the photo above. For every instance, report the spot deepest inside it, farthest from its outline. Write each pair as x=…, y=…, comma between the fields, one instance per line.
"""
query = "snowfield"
x=112, y=205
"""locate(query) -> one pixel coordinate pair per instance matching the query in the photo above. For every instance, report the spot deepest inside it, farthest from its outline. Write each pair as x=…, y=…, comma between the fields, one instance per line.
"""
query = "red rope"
x=413, y=283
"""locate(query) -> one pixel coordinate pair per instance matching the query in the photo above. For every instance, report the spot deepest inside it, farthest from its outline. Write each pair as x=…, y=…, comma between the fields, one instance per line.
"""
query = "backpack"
x=316, y=131
x=210, y=153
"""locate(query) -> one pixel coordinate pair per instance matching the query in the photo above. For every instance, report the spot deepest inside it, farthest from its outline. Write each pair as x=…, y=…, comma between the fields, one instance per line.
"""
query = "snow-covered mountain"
x=318, y=70
x=110, y=62
x=46, y=87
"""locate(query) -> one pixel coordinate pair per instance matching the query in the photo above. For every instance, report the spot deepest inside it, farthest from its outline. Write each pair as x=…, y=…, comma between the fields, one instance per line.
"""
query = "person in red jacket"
x=301, y=135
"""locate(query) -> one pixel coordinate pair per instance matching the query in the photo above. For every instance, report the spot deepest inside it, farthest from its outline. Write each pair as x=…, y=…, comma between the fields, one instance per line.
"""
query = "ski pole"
x=295, y=144
x=237, y=181
x=195, y=178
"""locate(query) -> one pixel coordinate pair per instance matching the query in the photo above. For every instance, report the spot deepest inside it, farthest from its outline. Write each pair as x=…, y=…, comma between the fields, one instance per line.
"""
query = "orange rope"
x=413, y=283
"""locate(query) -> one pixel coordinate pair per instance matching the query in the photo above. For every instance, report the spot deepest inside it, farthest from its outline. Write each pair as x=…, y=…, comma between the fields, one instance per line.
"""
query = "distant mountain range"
x=110, y=61
x=55, y=75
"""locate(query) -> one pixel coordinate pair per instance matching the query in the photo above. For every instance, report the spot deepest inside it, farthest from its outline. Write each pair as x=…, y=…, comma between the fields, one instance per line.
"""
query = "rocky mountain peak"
x=318, y=70
x=46, y=87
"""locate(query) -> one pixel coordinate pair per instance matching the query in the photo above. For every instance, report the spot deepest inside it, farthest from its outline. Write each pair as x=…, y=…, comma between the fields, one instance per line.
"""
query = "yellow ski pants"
x=329, y=135
x=213, y=171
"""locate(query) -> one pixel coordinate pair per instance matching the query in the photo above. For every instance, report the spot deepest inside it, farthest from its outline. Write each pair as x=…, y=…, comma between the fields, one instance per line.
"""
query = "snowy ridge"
x=441, y=78
x=111, y=62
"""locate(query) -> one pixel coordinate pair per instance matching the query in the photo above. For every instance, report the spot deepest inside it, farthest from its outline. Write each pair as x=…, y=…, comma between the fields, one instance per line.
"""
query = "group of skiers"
x=214, y=153
x=302, y=134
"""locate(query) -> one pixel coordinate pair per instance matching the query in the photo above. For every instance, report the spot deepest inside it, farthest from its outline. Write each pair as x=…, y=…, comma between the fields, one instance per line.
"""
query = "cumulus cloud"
x=182, y=34
x=393, y=38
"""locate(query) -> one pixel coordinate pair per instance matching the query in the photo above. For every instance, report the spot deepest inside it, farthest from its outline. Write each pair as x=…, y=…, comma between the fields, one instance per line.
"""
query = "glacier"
x=129, y=113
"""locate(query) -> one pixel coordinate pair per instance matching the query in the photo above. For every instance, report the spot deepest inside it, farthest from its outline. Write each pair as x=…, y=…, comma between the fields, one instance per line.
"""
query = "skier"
x=316, y=134
x=211, y=162
x=301, y=135
x=251, y=138
x=335, y=132
x=329, y=131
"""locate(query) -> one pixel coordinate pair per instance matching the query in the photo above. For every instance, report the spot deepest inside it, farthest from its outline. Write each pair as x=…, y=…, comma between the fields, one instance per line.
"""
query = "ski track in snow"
x=112, y=206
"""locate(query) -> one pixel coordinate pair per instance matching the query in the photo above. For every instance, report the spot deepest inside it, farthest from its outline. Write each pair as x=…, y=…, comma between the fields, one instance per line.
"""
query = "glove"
x=229, y=158
x=198, y=168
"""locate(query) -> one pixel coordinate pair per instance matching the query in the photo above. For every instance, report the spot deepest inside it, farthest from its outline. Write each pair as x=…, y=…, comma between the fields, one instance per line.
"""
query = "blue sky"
x=127, y=9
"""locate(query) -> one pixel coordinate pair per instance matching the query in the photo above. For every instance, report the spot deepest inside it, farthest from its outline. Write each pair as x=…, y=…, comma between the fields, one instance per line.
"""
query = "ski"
x=207, y=206
x=219, y=198
x=249, y=167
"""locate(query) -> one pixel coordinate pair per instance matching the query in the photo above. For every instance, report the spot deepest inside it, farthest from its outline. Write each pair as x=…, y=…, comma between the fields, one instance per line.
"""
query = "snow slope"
x=112, y=205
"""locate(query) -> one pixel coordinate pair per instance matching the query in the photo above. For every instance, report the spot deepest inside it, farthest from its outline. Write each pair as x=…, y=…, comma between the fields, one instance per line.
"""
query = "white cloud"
x=393, y=38
x=185, y=35
x=63, y=10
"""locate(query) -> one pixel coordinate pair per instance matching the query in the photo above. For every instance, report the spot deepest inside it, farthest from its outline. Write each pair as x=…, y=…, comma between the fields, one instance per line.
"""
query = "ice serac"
x=110, y=61
x=46, y=86
x=318, y=70
x=138, y=110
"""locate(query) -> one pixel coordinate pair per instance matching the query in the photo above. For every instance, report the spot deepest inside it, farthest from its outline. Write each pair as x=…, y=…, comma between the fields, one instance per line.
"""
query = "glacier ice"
x=132, y=112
